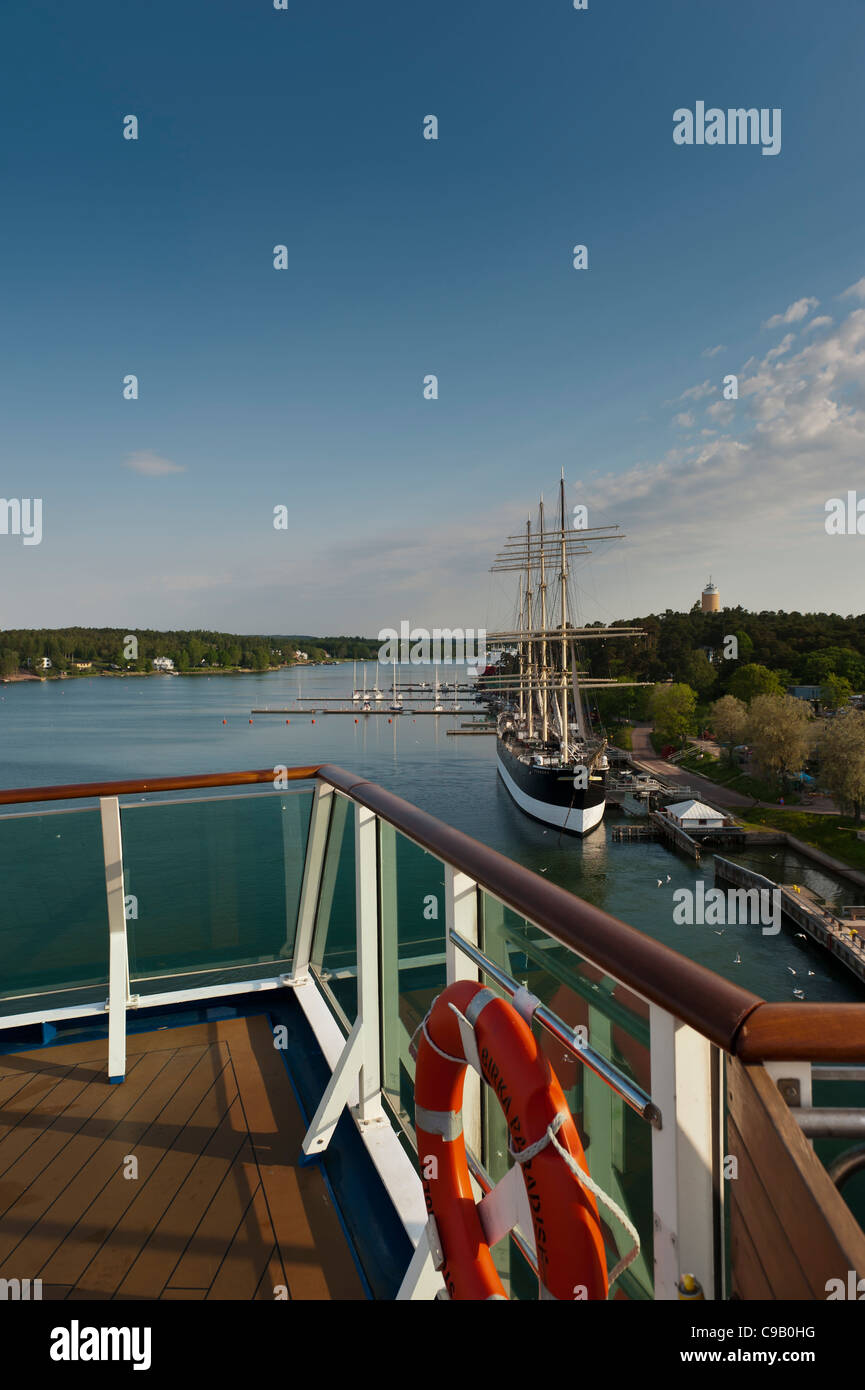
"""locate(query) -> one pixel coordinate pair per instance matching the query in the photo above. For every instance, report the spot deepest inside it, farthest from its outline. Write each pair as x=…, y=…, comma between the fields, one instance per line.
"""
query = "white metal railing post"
x=684, y=1158
x=358, y=1071
x=118, y=956
x=461, y=915
x=368, y=1003
x=313, y=865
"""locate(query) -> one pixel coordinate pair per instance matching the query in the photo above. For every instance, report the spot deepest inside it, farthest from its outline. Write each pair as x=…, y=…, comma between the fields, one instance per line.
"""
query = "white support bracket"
x=316, y=843
x=356, y=1079
x=118, y=956
x=341, y=1091
x=422, y=1279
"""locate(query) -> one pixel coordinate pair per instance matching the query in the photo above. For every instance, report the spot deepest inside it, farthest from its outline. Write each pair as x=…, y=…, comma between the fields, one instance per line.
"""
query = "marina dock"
x=839, y=931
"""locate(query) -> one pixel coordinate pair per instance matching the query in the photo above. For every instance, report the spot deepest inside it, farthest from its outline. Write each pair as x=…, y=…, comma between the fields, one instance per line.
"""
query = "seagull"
x=738, y=960
x=812, y=972
x=668, y=878
x=799, y=993
x=792, y=971
x=719, y=933
x=543, y=871
x=773, y=856
x=660, y=883
x=802, y=934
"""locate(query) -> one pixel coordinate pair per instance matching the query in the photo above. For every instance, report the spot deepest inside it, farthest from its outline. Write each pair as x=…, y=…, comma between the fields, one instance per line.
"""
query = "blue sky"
x=304, y=387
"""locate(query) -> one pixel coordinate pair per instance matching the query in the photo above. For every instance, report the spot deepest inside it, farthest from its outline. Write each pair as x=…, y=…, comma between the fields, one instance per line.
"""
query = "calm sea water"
x=96, y=729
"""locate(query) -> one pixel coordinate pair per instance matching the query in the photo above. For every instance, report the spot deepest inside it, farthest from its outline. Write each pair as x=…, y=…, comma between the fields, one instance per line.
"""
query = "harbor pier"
x=840, y=931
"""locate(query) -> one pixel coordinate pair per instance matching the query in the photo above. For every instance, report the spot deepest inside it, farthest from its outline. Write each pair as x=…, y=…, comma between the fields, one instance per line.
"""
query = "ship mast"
x=528, y=625
x=565, y=662
x=521, y=653
x=542, y=685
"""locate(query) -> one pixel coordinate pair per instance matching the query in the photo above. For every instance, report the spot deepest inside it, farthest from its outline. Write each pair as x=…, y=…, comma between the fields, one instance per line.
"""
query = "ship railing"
x=365, y=907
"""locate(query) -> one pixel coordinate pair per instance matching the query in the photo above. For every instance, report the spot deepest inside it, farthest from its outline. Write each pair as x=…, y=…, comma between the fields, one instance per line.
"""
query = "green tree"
x=698, y=672
x=835, y=692
x=752, y=680
x=779, y=730
x=673, y=709
x=729, y=720
x=9, y=662
x=841, y=750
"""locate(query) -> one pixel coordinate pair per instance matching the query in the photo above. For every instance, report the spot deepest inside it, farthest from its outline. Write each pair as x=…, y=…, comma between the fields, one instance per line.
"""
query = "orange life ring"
x=567, y=1228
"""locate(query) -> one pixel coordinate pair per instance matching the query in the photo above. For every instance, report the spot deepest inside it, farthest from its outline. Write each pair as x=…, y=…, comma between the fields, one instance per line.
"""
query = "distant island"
x=65, y=653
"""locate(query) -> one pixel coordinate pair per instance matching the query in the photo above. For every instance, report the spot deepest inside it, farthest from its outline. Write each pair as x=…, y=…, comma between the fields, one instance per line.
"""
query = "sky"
x=304, y=387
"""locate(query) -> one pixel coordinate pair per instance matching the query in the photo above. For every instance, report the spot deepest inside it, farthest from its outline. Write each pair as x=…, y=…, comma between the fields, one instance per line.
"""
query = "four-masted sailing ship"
x=549, y=759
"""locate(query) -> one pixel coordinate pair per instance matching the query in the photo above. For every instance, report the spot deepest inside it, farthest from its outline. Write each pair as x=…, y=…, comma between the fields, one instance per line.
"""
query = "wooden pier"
x=840, y=931
x=679, y=838
x=636, y=832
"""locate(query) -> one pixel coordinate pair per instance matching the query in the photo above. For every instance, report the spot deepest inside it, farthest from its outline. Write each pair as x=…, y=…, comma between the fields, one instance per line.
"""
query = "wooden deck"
x=219, y=1208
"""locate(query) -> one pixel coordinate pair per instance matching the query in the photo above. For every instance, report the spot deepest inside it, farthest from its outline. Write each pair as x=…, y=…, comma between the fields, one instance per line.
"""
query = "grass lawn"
x=621, y=736
x=835, y=835
x=726, y=776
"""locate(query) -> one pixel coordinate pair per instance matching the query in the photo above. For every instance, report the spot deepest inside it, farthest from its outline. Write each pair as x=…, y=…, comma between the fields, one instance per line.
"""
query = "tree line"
x=189, y=649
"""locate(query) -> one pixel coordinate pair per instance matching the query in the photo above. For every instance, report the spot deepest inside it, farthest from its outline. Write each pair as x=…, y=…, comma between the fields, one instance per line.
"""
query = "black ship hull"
x=548, y=794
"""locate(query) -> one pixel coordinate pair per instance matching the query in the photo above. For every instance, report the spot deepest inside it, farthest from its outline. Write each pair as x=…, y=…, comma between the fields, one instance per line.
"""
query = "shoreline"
x=23, y=677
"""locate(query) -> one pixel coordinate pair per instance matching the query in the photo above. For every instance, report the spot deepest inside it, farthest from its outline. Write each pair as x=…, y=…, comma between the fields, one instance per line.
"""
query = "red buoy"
x=312, y=721
x=250, y=721
x=225, y=721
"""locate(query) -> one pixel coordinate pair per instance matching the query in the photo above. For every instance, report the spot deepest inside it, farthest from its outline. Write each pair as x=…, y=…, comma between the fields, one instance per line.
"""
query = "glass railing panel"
x=53, y=909
x=334, y=945
x=212, y=887
x=412, y=896
x=617, y=1141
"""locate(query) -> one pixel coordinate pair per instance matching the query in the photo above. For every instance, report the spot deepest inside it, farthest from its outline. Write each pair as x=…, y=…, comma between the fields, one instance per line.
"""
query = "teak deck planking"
x=220, y=1208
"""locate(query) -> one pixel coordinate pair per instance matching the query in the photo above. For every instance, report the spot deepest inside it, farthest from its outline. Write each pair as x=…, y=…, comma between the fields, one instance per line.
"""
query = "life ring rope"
x=528, y=1153
x=448, y=1124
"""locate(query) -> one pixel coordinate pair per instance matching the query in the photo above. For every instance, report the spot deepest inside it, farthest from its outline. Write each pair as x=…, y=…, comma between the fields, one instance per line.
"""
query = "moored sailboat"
x=551, y=762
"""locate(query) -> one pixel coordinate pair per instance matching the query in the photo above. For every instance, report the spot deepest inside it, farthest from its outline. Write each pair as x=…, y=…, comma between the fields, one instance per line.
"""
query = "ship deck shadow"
x=183, y=1182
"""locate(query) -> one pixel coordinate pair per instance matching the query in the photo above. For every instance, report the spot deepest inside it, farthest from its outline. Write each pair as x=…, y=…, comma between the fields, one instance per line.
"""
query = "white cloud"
x=799, y=438
x=856, y=291
x=696, y=393
x=713, y=351
x=152, y=465
x=822, y=321
x=685, y=420
x=784, y=346
x=794, y=313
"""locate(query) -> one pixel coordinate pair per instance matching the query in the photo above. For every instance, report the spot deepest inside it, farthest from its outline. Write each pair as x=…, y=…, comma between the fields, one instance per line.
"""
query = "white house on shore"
x=696, y=815
x=163, y=663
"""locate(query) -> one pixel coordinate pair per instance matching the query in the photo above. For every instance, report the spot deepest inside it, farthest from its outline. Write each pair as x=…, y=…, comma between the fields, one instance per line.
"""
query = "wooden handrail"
x=694, y=994
x=79, y=790
x=731, y=1017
